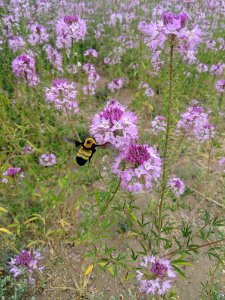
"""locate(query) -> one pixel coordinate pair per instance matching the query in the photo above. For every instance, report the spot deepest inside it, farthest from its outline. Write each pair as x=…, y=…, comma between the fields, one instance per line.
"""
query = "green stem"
x=220, y=102
x=107, y=204
x=165, y=151
x=209, y=156
x=177, y=146
x=199, y=247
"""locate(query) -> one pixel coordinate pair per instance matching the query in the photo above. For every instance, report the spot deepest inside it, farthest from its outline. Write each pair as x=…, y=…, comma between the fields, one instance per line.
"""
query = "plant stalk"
x=167, y=136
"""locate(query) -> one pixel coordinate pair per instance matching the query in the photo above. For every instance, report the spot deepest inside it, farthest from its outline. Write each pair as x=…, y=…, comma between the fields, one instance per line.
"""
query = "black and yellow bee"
x=86, y=149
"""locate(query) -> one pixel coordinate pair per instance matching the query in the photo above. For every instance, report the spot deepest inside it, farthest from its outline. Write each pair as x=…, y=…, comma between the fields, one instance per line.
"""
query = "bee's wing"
x=73, y=141
x=103, y=145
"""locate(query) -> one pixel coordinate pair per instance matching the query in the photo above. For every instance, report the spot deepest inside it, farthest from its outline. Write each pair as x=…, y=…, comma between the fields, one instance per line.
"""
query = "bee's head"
x=89, y=143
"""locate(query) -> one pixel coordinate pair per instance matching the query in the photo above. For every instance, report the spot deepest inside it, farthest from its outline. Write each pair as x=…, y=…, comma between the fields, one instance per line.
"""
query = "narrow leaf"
x=89, y=270
x=5, y=230
x=3, y=209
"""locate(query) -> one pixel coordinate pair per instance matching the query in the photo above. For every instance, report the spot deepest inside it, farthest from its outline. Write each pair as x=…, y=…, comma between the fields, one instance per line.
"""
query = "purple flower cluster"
x=220, y=86
x=16, y=43
x=174, y=23
x=26, y=263
x=194, y=124
x=93, y=78
x=158, y=125
x=171, y=26
x=116, y=84
x=115, y=56
x=91, y=53
x=38, y=34
x=28, y=149
x=115, y=125
x=88, y=68
x=137, y=154
x=217, y=70
x=68, y=30
x=73, y=69
x=23, y=66
x=47, y=160
x=54, y=57
x=63, y=95
x=11, y=172
x=177, y=186
x=202, y=68
x=148, y=91
x=155, y=275
x=138, y=167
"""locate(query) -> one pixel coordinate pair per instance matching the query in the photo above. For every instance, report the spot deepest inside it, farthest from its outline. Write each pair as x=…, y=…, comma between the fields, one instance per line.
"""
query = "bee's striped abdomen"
x=83, y=155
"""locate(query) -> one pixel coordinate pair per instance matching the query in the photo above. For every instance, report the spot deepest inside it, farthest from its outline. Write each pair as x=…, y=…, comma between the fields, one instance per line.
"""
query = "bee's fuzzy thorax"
x=89, y=143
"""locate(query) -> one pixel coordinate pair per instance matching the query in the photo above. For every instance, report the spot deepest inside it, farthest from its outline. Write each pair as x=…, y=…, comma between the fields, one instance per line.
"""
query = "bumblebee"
x=86, y=149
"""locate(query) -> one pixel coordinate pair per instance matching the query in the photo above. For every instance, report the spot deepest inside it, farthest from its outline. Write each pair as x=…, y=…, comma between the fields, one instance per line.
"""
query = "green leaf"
x=179, y=271
x=3, y=209
x=89, y=270
x=5, y=230
x=181, y=262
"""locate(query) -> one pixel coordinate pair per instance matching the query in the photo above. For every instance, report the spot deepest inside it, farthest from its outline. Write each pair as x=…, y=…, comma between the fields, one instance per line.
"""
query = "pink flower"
x=88, y=90
x=115, y=125
x=138, y=167
x=26, y=263
x=69, y=29
x=93, y=78
x=54, y=57
x=148, y=91
x=88, y=68
x=158, y=125
x=47, y=160
x=210, y=44
x=155, y=275
x=177, y=186
x=195, y=125
x=202, y=68
x=63, y=95
x=11, y=172
x=220, y=86
x=16, y=43
x=116, y=84
x=38, y=34
x=172, y=25
x=222, y=43
x=217, y=69
x=23, y=66
x=91, y=52
x=28, y=149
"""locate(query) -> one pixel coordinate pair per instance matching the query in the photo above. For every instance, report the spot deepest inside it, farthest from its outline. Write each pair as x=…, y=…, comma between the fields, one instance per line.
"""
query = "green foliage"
x=11, y=289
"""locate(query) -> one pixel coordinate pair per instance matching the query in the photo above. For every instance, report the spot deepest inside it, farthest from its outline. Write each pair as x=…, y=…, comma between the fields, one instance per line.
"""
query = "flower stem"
x=107, y=204
x=177, y=147
x=209, y=244
x=167, y=136
x=220, y=101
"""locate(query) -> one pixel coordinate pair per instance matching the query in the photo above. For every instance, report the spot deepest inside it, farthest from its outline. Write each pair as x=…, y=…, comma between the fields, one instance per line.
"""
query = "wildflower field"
x=112, y=150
